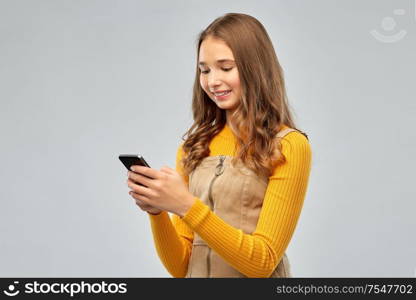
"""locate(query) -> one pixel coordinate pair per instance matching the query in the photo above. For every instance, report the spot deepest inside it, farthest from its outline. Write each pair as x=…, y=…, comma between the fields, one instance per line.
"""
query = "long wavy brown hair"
x=262, y=110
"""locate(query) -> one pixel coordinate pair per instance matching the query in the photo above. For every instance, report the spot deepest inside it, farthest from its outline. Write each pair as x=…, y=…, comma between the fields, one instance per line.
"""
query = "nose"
x=214, y=80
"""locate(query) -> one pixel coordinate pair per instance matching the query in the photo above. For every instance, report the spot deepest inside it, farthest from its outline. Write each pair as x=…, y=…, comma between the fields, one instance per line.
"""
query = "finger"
x=142, y=206
x=138, y=196
x=140, y=201
x=142, y=190
x=166, y=169
x=146, y=171
x=135, y=177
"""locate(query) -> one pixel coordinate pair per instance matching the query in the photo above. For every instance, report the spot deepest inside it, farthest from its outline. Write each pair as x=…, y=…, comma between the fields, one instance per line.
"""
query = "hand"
x=143, y=206
x=164, y=189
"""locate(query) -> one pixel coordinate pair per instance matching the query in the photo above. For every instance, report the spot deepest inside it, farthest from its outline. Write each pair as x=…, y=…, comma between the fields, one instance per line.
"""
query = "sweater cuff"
x=158, y=216
x=196, y=215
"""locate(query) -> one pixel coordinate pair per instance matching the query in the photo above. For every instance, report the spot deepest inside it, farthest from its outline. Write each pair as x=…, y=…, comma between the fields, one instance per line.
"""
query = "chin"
x=225, y=105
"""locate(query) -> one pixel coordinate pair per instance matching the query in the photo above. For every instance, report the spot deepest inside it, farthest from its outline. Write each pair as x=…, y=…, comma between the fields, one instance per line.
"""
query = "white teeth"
x=221, y=94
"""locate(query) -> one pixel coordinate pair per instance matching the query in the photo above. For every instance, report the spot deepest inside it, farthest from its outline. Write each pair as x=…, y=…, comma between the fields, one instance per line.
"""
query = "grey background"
x=83, y=81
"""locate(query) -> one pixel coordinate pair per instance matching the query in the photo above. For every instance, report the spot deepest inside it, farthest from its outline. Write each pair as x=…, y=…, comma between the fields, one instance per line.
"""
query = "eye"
x=224, y=69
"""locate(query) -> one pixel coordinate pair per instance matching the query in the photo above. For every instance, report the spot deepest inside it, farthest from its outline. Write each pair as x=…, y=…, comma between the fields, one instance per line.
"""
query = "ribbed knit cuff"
x=158, y=216
x=196, y=215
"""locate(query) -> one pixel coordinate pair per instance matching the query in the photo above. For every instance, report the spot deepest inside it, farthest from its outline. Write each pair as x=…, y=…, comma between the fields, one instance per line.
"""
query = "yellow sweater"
x=256, y=254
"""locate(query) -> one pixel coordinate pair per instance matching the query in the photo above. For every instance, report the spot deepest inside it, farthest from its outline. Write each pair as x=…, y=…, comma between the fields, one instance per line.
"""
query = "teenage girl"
x=242, y=170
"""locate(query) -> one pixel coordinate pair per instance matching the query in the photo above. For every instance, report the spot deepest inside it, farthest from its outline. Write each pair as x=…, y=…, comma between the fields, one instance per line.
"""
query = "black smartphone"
x=129, y=160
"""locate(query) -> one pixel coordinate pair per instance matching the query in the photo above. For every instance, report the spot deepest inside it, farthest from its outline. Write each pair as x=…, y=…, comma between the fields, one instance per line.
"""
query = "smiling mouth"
x=222, y=94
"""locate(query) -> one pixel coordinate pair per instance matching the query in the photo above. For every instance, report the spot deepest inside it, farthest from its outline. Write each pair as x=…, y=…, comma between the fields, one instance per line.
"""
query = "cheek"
x=235, y=81
x=203, y=83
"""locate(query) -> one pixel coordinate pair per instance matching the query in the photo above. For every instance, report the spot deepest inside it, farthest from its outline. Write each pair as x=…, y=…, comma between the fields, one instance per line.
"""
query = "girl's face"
x=219, y=73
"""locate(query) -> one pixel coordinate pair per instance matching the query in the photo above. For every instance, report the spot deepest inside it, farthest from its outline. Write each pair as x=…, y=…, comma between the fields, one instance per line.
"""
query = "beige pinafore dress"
x=235, y=194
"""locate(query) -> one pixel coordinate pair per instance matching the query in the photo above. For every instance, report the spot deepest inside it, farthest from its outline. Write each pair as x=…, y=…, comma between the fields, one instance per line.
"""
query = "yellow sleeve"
x=172, y=237
x=257, y=254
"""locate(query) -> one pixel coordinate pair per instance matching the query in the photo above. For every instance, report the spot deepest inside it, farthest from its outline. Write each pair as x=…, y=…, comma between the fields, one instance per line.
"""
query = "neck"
x=230, y=126
x=229, y=122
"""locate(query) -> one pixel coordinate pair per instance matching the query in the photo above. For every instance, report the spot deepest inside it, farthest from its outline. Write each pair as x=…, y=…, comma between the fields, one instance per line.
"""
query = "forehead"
x=214, y=50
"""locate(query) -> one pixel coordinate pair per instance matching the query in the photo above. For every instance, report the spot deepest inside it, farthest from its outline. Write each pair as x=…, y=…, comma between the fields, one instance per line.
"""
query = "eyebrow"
x=202, y=63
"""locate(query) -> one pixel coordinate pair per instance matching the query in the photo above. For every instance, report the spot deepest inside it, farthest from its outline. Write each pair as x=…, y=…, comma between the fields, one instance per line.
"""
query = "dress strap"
x=285, y=131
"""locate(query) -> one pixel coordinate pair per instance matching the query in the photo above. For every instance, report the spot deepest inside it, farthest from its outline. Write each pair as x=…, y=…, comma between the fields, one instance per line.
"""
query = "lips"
x=222, y=93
